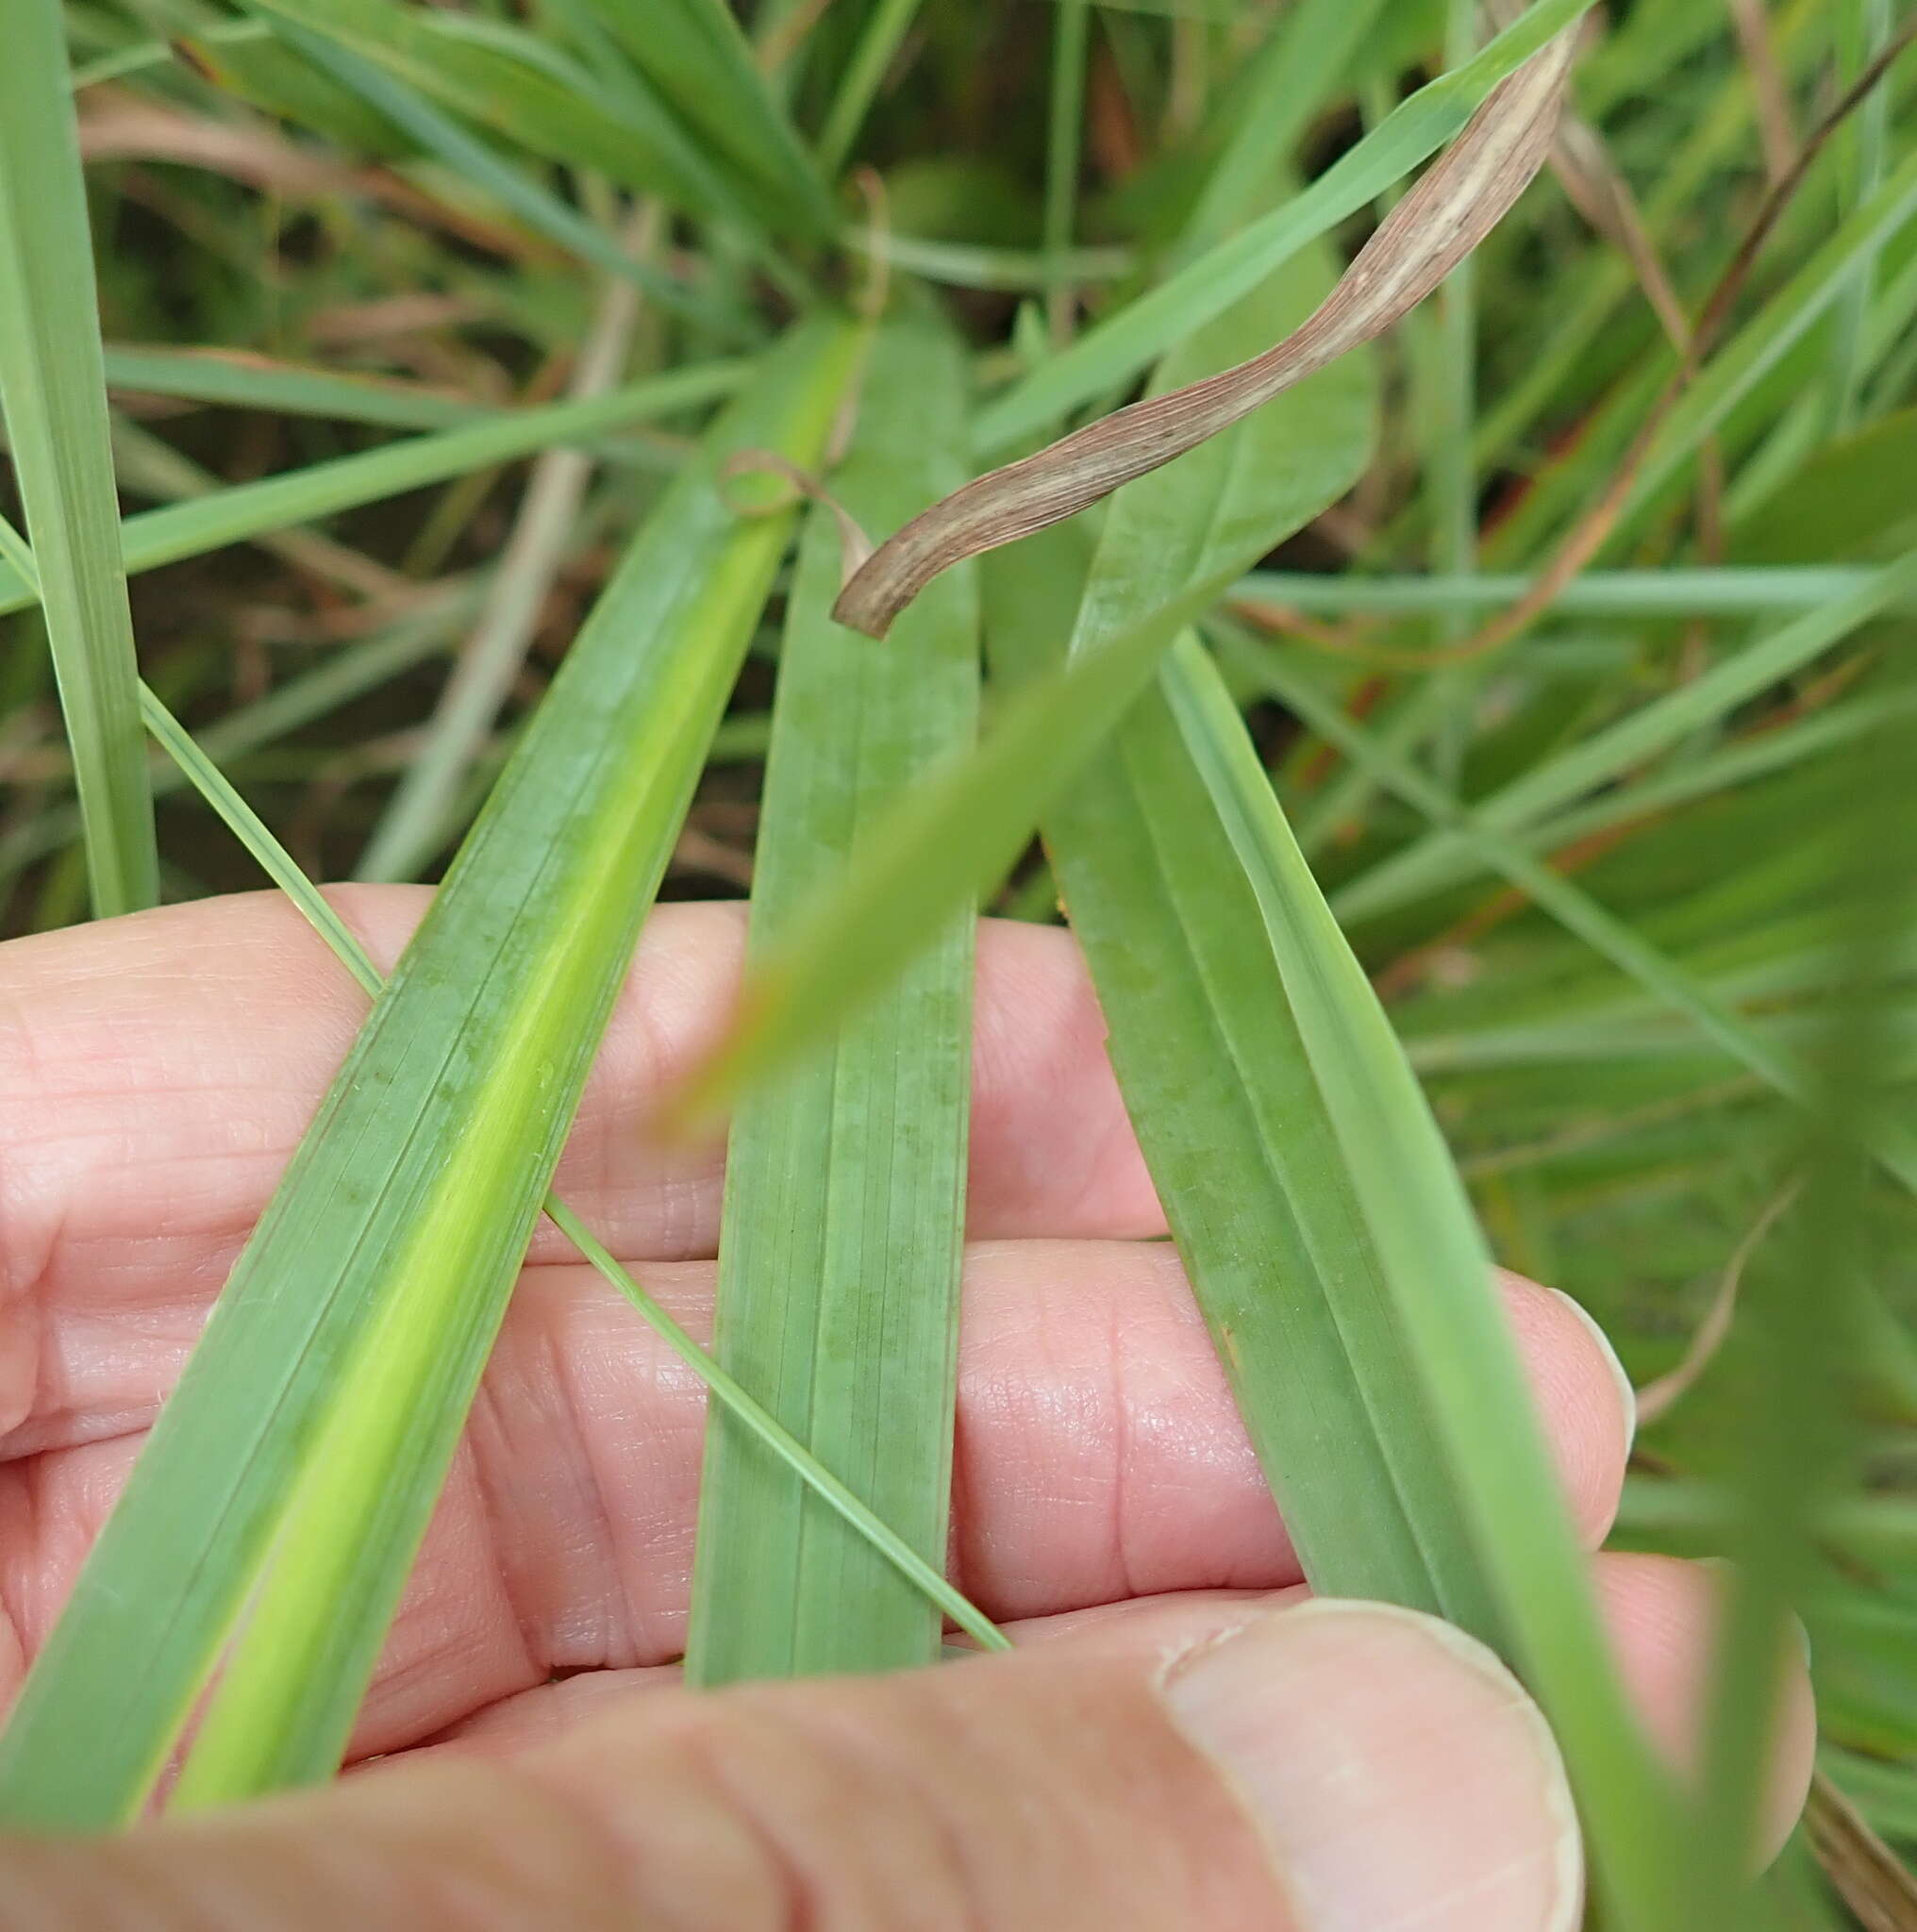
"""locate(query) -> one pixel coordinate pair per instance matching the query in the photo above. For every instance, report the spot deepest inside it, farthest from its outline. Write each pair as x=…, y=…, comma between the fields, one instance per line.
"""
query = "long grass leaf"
x=244, y=381
x=880, y=39
x=839, y=1250
x=1437, y=858
x=1433, y=1258
x=54, y=390
x=1752, y=590
x=190, y=760
x=276, y=503
x=696, y=55
x=282, y=1492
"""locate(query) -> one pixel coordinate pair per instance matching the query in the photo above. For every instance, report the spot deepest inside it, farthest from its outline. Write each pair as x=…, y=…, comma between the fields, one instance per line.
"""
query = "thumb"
x=1329, y=1767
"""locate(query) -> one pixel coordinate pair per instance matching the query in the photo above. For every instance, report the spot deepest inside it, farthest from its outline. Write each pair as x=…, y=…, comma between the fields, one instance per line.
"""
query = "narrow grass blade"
x=506, y=79
x=1439, y=858
x=696, y=55
x=190, y=760
x=1064, y=155
x=54, y=390
x=1223, y=1100
x=1448, y=1323
x=536, y=204
x=858, y=85
x=244, y=381
x=1117, y=350
x=250, y=510
x=840, y=1248
x=283, y=1491
x=1746, y=591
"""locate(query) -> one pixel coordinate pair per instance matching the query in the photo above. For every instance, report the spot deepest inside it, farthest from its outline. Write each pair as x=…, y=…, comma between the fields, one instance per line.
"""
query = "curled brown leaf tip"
x=1462, y=197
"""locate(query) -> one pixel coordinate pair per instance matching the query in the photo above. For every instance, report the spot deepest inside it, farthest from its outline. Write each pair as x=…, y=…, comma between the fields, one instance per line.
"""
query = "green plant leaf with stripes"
x=55, y=398
x=845, y=1178
x=1448, y=1343
x=282, y=1493
x=191, y=765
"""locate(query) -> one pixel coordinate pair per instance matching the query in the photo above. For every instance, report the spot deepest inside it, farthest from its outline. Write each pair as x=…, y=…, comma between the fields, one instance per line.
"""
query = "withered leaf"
x=1461, y=199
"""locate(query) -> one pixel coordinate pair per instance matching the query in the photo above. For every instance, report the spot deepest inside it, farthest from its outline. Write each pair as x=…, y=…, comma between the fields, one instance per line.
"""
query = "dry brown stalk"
x=1776, y=129
x=1864, y=1871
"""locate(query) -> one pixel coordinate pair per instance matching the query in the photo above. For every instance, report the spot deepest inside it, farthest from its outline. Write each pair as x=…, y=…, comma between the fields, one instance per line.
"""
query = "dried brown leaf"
x=1862, y=1869
x=1457, y=204
x=116, y=126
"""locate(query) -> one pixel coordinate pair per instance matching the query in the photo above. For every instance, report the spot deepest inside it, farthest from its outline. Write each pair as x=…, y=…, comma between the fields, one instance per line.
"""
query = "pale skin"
x=1178, y=1744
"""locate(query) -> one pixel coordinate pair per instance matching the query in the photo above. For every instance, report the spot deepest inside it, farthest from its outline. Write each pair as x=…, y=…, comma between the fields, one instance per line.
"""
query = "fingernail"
x=1627, y=1392
x=1396, y=1770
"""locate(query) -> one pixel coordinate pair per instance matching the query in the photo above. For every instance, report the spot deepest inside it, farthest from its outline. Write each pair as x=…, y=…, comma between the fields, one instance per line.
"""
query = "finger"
x=157, y=1072
x=1662, y=1614
x=1099, y=1456
x=1325, y=1768
x=1667, y=1615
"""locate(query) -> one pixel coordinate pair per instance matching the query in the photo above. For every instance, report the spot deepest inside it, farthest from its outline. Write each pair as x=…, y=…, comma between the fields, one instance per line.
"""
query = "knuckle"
x=770, y=1810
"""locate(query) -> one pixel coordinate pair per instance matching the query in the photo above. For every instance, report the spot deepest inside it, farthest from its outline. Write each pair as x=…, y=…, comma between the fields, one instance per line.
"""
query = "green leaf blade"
x=840, y=1248
x=54, y=389
x=233, y=515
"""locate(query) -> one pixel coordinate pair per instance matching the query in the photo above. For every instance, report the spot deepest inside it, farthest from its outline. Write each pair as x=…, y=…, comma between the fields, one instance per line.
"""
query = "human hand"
x=1177, y=1743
